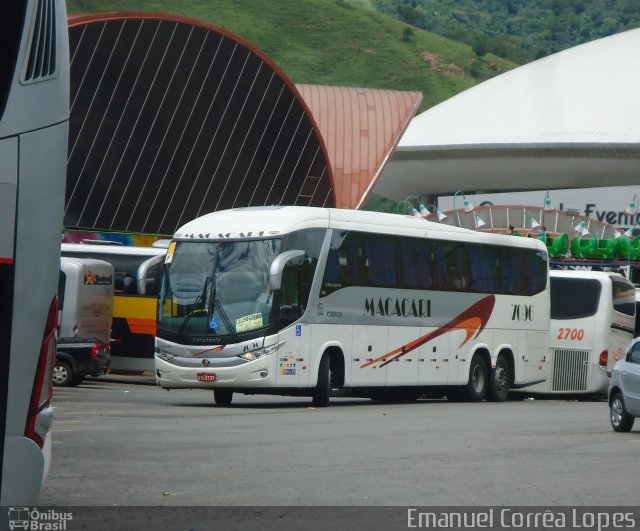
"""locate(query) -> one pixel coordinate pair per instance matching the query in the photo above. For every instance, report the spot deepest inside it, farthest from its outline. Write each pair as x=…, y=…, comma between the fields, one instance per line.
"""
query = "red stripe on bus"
x=6, y=260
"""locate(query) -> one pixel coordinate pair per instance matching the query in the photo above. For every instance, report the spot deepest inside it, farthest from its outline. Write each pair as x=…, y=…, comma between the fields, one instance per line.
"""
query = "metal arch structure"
x=172, y=118
x=525, y=219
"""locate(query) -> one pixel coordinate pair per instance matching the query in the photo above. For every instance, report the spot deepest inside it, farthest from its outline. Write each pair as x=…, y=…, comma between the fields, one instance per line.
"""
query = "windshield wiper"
x=226, y=320
x=198, y=305
x=214, y=304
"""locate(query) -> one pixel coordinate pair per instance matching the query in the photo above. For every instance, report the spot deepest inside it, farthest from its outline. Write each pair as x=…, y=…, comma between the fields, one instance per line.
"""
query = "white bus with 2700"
x=303, y=301
x=591, y=325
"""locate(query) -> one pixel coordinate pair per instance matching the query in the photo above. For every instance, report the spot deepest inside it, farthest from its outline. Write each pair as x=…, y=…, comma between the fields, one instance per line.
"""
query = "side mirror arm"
x=277, y=267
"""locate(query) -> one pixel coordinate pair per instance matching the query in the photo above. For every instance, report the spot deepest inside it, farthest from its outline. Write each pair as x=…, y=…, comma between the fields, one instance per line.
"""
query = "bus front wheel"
x=499, y=379
x=323, y=387
x=477, y=387
x=223, y=397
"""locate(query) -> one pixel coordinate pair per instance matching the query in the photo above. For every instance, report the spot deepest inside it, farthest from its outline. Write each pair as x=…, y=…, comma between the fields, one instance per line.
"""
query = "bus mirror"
x=277, y=266
x=150, y=287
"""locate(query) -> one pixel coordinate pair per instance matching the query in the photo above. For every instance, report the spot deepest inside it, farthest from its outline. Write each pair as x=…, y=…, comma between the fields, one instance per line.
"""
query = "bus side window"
x=509, y=262
x=381, y=256
x=129, y=285
x=332, y=272
x=118, y=282
x=452, y=266
x=483, y=262
x=536, y=271
x=356, y=263
x=415, y=264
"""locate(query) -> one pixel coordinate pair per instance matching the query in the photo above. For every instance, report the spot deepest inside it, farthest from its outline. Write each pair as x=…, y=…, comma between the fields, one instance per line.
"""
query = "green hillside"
x=334, y=42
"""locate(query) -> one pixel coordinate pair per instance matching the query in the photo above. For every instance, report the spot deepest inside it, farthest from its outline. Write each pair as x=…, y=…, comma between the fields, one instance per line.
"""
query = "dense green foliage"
x=519, y=30
x=334, y=42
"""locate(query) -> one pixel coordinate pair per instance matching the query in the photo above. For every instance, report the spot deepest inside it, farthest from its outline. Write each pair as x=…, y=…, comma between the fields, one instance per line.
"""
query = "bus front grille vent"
x=570, y=370
x=40, y=61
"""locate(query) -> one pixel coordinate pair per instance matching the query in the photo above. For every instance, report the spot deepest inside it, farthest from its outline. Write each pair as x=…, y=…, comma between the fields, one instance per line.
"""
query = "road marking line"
x=90, y=412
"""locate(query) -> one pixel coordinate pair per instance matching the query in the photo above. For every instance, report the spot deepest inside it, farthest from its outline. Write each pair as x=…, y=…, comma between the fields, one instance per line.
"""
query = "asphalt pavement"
x=122, y=441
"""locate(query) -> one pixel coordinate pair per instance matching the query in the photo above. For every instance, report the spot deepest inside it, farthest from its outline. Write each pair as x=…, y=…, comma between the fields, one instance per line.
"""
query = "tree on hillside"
x=407, y=33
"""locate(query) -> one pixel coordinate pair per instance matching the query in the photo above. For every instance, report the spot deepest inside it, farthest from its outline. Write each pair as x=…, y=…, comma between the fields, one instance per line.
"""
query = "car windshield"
x=217, y=289
x=574, y=298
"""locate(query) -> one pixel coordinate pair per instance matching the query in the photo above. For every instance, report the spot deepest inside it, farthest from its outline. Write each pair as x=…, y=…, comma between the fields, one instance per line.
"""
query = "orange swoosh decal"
x=470, y=325
x=473, y=319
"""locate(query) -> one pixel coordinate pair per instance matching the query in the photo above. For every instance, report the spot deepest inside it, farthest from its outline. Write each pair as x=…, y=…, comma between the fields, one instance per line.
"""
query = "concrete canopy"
x=568, y=120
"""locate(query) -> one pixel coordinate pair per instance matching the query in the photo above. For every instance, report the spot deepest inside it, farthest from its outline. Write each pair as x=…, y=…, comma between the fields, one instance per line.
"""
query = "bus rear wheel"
x=499, y=380
x=323, y=388
x=476, y=388
x=223, y=397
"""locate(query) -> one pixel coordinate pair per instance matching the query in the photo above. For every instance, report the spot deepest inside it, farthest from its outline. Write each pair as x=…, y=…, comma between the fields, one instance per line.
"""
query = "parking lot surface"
x=121, y=442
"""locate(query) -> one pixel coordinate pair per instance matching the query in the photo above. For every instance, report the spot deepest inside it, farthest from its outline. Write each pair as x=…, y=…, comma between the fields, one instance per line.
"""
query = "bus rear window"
x=624, y=297
x=574, y=298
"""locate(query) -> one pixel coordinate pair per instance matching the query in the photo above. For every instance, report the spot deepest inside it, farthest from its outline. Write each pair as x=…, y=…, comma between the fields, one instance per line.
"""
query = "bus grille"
x=570, y=370
x=42, y=48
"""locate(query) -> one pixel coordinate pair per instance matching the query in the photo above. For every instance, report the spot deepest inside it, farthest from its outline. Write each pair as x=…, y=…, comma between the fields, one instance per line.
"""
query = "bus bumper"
x=260, y=373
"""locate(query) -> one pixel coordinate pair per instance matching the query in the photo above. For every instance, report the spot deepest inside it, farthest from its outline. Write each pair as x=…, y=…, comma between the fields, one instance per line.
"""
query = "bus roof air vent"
x=41, y=55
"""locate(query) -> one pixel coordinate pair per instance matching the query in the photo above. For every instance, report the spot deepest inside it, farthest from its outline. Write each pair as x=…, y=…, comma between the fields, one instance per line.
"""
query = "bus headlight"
x=164, y=355
x=261, y=352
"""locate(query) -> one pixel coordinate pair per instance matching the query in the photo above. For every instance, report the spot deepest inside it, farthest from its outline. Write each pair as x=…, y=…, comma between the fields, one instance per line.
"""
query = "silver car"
x=624, y=390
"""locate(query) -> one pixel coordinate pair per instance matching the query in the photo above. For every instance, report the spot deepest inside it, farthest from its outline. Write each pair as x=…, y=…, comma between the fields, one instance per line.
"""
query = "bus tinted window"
x=536, y=268
x=297, y=276
x=358, y=259
x=624, y=297
x=451, y=262
x=380, y=252
x=484, y=265
x=415, y=263
x=574, y=298
x=510, y=268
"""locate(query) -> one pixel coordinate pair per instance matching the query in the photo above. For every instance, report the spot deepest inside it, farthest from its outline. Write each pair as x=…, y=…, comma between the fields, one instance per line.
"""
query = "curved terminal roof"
x=361, y=128
x=568, y=120
x=172, y=118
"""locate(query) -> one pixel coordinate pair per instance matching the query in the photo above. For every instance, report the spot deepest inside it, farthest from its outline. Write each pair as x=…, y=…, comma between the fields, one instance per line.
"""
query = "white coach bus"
x=306, y=301
x=592, y=323
x=34, y=111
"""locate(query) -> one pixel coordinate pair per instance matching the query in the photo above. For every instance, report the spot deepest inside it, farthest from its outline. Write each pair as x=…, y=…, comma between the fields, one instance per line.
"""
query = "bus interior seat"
x=129, y=285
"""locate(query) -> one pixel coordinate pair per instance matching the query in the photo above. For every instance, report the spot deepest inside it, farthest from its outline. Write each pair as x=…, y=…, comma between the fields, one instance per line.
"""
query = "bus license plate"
x=206, y=377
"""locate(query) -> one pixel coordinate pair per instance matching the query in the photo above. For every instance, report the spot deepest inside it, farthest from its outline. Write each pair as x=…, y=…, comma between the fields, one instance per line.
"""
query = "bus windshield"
x=217, y=289
x=574, y=298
